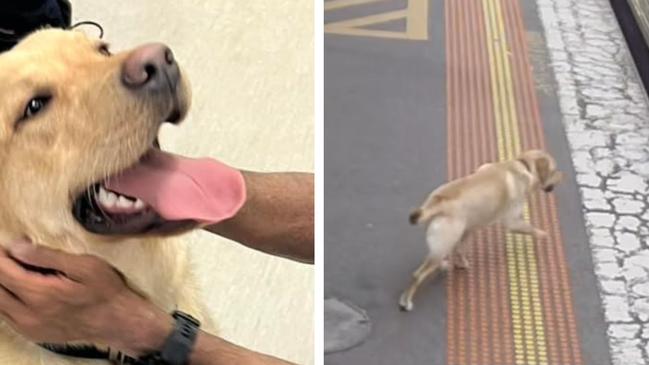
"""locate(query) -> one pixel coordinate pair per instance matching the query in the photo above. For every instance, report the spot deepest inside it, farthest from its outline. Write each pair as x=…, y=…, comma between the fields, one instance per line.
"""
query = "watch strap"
x=180, y=343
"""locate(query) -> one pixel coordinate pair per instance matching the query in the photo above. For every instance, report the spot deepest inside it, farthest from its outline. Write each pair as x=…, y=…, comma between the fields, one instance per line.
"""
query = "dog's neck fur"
x=156, y=268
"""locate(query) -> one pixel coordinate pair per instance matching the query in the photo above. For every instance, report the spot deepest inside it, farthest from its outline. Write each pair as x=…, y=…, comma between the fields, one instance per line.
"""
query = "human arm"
x=88, y=300
x=277, y=217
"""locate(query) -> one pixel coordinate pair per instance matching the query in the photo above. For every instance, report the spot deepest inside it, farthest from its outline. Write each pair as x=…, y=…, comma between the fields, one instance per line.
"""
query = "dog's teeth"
x=111, y=198
x=106, y=198
x=123, y=202
x=139, y=204
x=103, y=195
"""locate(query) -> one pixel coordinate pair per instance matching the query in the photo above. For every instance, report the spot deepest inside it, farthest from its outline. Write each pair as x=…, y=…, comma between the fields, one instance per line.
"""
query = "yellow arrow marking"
x=415, y=15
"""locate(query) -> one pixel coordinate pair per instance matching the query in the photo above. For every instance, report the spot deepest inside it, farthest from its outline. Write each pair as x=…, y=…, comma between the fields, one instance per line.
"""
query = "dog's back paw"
x=405, y=305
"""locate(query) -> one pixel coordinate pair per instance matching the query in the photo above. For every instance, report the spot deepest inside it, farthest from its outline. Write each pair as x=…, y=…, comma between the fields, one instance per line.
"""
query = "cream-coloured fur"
x=494, y=193
x=92, y=128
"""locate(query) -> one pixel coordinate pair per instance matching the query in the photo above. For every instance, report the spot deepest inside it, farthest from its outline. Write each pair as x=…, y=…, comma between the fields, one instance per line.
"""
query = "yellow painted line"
x=341, y=4
x=417, y=22
x=527, y=317
x=494, y=87
x=511, y=122
x=353, y=26
x=517, y=326
x=523, y=276
x=415, y=14
x=537, y=311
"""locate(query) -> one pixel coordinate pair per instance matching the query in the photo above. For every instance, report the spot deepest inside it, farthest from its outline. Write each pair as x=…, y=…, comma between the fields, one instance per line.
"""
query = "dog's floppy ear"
x=542, y=169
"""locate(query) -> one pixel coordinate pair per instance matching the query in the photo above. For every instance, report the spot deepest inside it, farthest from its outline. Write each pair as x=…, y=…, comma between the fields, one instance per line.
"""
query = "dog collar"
x=91, y=352
x=176, y=349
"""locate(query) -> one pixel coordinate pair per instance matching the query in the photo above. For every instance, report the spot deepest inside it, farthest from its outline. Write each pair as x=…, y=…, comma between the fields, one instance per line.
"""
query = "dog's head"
x=543, y=166
x=73, y=119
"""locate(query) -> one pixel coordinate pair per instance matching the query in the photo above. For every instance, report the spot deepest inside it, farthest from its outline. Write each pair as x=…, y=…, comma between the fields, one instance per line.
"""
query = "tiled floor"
x=251, y=65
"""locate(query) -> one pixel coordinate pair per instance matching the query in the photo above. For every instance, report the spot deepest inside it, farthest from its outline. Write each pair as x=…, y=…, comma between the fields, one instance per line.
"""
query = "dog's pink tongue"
x=180, y=188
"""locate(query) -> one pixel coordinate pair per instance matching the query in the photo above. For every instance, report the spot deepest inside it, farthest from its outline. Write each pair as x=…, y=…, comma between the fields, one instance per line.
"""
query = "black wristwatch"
x=179, y=345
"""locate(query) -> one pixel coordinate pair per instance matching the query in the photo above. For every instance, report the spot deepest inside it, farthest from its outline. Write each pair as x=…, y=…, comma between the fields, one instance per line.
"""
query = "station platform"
x=420, y=92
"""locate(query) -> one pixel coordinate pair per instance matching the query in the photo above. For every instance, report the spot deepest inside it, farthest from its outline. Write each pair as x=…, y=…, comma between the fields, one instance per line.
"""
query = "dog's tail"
x=426, y=212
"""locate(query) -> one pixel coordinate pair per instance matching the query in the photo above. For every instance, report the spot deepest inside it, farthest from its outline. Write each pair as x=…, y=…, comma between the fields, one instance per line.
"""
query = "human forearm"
x=211, y=350
x=148, y=327
x=89, y=301
x=277, y=216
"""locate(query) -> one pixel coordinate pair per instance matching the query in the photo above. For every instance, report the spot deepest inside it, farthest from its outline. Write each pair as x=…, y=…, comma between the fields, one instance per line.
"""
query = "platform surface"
x=408, y=109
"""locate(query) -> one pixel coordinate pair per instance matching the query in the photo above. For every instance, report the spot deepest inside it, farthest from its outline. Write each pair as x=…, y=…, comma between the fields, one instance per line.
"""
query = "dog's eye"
x=104, y=49
x=35, y=106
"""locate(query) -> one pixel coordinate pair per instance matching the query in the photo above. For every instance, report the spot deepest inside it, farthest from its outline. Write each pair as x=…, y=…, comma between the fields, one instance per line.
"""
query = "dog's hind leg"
x=421, y=268
x=426, y=269
x=442, y=236
x=459, y=258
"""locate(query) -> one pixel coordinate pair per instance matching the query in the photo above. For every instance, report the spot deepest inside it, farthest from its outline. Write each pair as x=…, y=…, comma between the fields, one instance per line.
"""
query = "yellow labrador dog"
x=79, y=170
x=494, y=193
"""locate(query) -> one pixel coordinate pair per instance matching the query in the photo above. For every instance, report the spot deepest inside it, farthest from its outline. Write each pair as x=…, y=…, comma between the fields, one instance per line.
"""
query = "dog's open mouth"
x=161, y=193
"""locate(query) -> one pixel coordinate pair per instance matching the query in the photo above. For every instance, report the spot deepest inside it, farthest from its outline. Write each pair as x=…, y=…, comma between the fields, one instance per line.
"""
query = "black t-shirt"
x=19, y=18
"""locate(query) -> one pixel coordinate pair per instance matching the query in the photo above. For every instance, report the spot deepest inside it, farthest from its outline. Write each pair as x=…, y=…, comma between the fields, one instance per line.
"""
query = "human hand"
x=83, y=299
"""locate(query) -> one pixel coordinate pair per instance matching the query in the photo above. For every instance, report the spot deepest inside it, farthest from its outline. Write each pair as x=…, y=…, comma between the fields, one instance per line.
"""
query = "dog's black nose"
x=151, y=67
